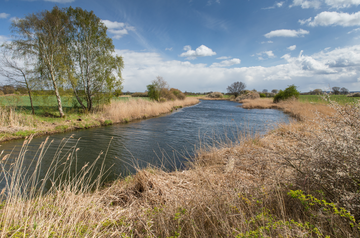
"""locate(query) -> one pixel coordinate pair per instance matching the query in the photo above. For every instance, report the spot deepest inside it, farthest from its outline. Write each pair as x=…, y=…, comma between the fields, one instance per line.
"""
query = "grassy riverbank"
x=16, y=123
x=300, y=180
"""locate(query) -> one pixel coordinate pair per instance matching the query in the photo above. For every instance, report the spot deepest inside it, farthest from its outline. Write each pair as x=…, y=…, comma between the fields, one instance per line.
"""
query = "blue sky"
x=205, y=45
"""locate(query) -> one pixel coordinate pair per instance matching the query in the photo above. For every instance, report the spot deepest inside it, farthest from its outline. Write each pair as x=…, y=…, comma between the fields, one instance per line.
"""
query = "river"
x=166, y=141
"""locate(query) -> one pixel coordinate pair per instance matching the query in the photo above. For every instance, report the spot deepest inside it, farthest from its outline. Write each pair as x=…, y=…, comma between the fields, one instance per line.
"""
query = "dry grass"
x=11, y=120
x=138, y=109
x=242, y=189
x=299, y=110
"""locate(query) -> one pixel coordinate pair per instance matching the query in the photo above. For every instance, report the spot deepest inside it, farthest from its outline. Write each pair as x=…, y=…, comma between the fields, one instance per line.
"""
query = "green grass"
x=341, y=99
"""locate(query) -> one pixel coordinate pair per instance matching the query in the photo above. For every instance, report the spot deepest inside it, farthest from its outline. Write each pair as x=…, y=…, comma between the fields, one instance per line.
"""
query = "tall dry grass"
x=279, y=185
x=12, y=120
x=299, y=110
x=120, y=111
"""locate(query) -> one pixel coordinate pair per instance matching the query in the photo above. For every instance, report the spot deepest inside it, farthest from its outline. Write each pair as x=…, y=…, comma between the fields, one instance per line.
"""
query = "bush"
x=328, y=160
x=140, y=94
x=248, y=95
x=168, y=95
x=354, y=95
x=215, y=95
x=1, y=92
x=289, y=92
x=262, y=95
x=179, y=95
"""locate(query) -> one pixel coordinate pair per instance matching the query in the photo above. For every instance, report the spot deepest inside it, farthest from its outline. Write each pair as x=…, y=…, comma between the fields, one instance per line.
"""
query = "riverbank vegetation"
x=299, y=180
x=17, y=123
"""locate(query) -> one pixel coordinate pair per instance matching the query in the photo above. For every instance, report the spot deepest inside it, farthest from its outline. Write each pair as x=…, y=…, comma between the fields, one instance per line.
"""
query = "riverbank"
x=299, y=180
x=17, y=125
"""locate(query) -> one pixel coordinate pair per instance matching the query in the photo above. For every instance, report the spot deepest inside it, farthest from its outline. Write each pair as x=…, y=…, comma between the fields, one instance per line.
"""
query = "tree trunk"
x=57, y=96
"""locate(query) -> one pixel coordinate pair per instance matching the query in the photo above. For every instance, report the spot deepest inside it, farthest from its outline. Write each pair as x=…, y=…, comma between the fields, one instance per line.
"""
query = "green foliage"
x=262, y=95
x=108, y=122
x=289, y=92
x=153, y=93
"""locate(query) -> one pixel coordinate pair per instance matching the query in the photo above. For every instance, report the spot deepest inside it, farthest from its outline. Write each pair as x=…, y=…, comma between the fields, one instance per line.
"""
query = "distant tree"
x=236, y=88
x=153, y=93
x=17, y=70
x=289, y=92
x=317, y=92
x=265, y=91
x=8, y=89
x=344, y=91
x=275, y=91
x=336, y=90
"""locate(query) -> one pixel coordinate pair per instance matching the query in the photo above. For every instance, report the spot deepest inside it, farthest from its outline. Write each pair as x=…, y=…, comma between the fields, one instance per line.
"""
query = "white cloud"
x=169, y=49
x=306, y=3
x=331, y=3
x=293, y=47
x=354, y=30
x=265, y=54
x=201, y=51
x=341, y=66
x=223, y=57
x=226, y=63
x=269, y=42
x=276, y=4
x=286, y=33
x=302, y=22
x=4, y=15
x=118, y=29
x=336, y=19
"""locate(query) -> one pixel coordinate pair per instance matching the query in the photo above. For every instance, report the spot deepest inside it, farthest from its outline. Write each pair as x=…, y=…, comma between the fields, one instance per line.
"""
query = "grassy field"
x=48, y=104
x=341, y=99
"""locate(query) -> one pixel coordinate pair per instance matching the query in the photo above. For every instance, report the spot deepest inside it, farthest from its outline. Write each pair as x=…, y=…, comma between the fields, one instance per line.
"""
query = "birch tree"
x=42, y=35
x=95, y=70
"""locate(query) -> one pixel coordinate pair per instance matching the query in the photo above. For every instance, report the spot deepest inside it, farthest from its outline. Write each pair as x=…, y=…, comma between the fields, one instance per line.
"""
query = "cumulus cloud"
x=330, y=3
x=226, y=63
x=118, y=29
x=201, y=51
x=286, y=33
x=4, y=15
x=335, y=19
x=340, y=65
x=293, y=47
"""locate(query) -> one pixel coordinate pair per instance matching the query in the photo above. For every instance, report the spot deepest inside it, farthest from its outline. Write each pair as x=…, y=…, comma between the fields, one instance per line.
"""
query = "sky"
x=206, y=45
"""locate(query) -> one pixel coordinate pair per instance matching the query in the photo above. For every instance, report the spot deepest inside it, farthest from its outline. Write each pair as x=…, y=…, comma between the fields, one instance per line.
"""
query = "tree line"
x=63, y=48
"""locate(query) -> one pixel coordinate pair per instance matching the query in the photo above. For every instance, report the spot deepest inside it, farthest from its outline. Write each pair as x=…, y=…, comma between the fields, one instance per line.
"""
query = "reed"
x=119, y=111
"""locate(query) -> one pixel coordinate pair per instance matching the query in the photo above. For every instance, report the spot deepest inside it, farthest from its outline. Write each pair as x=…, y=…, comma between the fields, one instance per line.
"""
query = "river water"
x=163, y=141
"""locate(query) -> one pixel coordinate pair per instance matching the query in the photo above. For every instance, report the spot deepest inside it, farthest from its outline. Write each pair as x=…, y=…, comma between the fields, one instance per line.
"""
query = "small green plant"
x=289, y=92
x=108, y=122
x=262, y=95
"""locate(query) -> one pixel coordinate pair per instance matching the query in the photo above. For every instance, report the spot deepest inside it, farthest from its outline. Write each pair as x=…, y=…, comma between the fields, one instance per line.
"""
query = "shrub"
x=1, y=92
x=327, y=160
x=140, y=94
x=289, y=92
x=167, y=94
x=248, y=95
x=153, y=93
x=262, y=95
x=179, y=95
x=215, y=95
x=354, y=95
